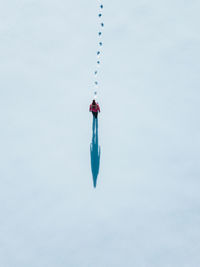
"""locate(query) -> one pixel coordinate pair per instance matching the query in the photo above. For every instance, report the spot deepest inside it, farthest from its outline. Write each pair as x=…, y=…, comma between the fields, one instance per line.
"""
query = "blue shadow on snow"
x=95, y=152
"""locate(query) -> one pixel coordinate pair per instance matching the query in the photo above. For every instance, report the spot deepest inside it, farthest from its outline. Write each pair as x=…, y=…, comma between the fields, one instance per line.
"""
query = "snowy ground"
x=145, y=209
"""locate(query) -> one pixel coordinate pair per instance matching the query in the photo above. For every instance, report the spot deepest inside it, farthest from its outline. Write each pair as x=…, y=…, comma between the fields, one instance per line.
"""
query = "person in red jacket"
x=94, y=108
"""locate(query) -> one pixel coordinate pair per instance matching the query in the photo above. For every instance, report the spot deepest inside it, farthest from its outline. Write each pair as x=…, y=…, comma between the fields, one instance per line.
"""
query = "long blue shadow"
x=95, y=152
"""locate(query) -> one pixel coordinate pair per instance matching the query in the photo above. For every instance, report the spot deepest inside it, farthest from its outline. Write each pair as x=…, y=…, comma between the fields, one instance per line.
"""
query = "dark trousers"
x=95, y=114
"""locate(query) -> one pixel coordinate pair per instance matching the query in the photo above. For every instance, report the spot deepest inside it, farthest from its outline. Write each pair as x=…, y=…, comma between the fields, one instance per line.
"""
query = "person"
x=94, y=108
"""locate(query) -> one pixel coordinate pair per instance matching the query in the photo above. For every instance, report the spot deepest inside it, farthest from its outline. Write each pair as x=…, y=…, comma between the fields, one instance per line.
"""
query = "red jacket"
x=94, y=108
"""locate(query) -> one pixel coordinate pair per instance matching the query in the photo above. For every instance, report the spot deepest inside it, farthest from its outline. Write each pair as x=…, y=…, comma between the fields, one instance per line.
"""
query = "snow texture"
x=144, y=211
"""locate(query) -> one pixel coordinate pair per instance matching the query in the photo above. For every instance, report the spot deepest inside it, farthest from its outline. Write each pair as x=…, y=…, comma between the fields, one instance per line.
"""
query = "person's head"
x=94, y=102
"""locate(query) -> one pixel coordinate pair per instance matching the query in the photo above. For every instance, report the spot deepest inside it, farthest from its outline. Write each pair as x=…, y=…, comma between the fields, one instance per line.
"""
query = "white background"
x=145, y=209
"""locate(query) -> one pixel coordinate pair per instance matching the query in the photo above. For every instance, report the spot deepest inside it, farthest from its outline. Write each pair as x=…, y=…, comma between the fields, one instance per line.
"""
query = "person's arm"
x=98, y=108
x=90, y=108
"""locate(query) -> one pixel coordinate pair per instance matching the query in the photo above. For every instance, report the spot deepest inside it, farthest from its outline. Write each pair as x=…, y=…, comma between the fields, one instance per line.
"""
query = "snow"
x=145, y=209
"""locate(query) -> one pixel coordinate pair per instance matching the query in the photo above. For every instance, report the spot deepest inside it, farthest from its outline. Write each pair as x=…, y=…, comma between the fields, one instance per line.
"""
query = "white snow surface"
x=145, y=209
